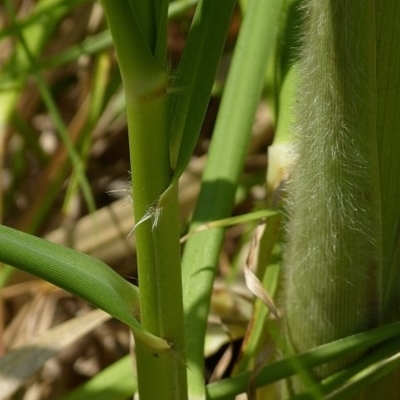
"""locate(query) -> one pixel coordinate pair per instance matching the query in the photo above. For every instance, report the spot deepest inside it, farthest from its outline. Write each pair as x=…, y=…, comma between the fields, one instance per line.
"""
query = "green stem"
x=332, y=260
x=224, y=166
x=160, y=375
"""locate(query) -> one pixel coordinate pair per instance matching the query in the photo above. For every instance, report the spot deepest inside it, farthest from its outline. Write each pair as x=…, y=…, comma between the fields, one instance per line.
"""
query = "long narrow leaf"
x=320, y=355
x=115, y=382
x=79, y=274
x=195, y=77
x=226, y=159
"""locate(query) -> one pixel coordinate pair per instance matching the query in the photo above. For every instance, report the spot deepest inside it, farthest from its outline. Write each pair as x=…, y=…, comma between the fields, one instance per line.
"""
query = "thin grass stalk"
x=332, y=258
x=96, y=99
x=91, y=45
x=48, y=100
x=224, y=166
x=160, y=376
x=36, y=37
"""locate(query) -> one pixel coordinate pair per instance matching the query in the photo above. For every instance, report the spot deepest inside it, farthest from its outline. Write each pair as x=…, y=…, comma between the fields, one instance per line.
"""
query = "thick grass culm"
x=333, y=249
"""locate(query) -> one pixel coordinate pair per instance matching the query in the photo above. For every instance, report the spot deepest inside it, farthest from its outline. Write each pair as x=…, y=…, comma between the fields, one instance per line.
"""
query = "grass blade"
x=79, y=274
x=226, y=158
x=115, y=382
x=320, y=355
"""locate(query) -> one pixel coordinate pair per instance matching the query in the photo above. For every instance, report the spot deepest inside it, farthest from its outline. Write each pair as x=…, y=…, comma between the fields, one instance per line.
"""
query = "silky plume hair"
x=332, y=254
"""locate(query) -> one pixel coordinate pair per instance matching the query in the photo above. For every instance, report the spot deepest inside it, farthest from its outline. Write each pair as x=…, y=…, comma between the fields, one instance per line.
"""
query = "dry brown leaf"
x=252, y=282
x=24, y=361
